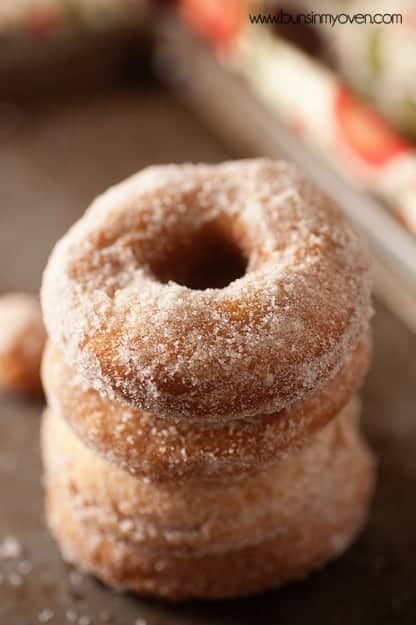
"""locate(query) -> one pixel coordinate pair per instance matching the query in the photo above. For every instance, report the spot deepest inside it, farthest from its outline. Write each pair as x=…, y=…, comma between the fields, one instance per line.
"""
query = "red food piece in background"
x=369, y=136
x=218, y=21
x=42, y=22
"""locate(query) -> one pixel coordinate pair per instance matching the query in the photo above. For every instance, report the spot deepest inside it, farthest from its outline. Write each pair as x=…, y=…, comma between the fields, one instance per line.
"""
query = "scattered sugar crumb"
x=71, y=616
x=46, y=615
x=10, y=548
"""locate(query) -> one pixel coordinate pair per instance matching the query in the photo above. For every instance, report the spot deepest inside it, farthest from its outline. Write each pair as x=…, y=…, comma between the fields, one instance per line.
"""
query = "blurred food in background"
x=22, y=340
x=310, y=98
x=53, y=45
x=380, y=60
x=43, y=18
x=304, y=107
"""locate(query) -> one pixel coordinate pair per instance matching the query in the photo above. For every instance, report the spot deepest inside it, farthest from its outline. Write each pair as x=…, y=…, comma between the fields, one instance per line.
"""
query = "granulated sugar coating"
x=188, y=520
x=167, y=451
x=209, y=331
x=220, y=540
x=134, y=297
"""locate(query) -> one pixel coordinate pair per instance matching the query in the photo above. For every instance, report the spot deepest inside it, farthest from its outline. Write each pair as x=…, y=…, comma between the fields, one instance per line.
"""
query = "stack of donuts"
x=208, y=334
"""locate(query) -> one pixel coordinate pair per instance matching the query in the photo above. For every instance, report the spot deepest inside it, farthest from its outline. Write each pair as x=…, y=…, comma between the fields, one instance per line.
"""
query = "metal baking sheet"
x=53, y=160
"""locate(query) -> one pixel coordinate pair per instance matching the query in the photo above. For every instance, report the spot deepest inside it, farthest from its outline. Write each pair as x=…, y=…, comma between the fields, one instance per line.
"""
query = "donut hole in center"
x=209, y=258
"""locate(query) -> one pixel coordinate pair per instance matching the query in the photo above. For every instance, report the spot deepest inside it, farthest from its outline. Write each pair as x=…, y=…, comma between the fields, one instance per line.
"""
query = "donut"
x=183, y=541
x=183, y=518
x=197, y=292
x=22, y=339
x=160, y=450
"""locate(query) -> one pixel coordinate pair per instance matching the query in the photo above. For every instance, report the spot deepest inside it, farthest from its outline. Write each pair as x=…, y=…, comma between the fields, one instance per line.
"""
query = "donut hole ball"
x=22, y=340
x=209, y=258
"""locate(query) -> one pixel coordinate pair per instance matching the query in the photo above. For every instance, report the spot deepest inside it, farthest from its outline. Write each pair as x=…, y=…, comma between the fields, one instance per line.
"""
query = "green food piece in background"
x=375, y=45
x=409, y=116
x=73, y=10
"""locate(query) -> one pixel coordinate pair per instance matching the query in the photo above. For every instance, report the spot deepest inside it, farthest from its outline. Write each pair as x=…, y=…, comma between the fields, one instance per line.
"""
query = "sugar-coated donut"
x=209, y=292
x=184, y=518
x=22, y=339
x=218, y=541
x=161, y=450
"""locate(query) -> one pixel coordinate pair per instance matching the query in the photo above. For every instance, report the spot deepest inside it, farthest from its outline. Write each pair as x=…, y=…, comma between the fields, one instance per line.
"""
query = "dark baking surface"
x=53, y=161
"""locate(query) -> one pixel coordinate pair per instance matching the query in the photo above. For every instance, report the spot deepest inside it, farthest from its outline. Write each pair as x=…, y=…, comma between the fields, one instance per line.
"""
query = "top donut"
x=209, y=292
